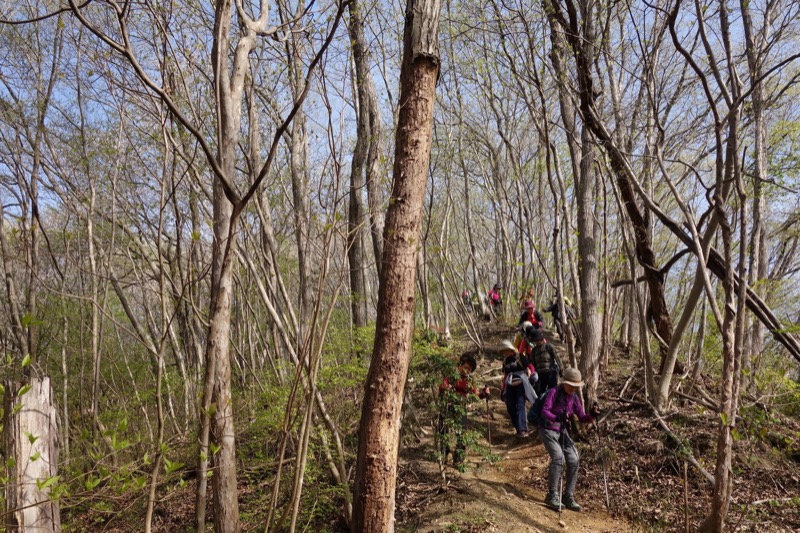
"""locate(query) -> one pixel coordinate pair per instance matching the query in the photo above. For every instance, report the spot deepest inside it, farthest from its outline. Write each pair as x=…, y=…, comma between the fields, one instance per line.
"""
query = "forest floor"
x=633, y=476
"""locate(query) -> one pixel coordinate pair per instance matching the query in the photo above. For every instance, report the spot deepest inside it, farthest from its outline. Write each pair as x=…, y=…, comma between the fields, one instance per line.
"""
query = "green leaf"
x=214, y=448
x=92, y=483
x=11, y=462
x=46, y=483
x=31, y=437
x=26, y=360
x=170, y=466
x=36, y=456
x=23, y=390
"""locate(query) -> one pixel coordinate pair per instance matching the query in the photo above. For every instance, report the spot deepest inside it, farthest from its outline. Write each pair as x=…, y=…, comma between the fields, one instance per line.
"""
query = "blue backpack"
x=535, y=412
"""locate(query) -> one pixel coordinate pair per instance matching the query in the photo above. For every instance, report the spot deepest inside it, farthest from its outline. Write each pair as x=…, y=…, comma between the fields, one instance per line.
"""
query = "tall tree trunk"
x=379, y=432
x=355, y=220
x=298, y=166
x=757, y=268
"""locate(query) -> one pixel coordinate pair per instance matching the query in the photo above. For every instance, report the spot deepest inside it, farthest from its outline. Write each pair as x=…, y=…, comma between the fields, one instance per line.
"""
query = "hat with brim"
x=572, y=376
x=507, y=347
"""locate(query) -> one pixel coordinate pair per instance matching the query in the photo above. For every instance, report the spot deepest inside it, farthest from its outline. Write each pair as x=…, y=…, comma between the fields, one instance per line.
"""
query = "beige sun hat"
x=507, y=346
x=572, y=376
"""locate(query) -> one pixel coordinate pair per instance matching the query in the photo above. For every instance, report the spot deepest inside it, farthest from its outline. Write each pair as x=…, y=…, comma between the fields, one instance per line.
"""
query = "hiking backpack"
x=535, y=412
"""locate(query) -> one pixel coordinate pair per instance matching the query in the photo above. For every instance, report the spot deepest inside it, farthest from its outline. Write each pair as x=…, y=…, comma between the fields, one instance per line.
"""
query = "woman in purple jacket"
x=560, y=404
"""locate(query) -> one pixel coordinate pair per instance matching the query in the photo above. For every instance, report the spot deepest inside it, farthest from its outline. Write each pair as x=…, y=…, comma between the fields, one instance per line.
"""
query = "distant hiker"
x=524, y=297
x=454, y=392
x=517, y=389
x=560, y=404
x=544, y=358
x=531, y=315
x=519, y=340
x=494, y=299
x=557, y=321
x=466, y=299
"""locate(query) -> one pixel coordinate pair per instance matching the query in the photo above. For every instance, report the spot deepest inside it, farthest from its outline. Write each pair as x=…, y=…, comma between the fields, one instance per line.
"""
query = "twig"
x=701, y=401
x=686, y=496
x=769, y=500
x=627, y=383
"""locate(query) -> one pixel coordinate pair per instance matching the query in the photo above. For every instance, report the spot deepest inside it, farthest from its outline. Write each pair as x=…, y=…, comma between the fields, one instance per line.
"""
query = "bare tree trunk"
x=363, y=163
x=299, y=168
x=376, y=466
x=30, y=443
x=758, y=265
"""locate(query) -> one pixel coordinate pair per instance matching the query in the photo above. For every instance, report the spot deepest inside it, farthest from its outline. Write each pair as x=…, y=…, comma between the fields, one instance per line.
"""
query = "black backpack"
x=535, y=412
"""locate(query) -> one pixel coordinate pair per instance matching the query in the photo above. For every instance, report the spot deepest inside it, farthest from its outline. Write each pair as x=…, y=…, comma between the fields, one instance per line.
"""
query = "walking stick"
x=603, y=462
x=561, y=479
x=489, y=425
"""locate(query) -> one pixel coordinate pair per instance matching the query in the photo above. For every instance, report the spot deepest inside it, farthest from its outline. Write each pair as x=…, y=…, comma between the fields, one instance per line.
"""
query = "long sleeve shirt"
x=535, y=318
x=558, y=405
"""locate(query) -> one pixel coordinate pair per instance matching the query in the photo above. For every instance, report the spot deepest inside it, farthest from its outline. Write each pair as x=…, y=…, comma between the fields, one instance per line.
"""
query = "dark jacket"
x=553, y=308
x=544, y=357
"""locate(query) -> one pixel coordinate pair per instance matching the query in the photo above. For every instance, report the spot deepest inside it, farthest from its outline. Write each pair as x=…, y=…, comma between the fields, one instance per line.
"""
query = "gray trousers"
x=560, y=452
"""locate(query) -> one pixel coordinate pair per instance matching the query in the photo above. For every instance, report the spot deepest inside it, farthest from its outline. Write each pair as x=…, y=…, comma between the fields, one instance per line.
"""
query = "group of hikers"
x=494, y=303
x=539, y=392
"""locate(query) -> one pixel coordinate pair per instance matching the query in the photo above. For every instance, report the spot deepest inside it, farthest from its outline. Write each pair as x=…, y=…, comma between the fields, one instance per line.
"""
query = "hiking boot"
x=552, y=501
x=522, y=434
x=570, y=503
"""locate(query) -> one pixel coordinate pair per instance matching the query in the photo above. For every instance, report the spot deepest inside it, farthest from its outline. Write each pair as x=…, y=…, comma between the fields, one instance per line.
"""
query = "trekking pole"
x=603, y=462
x=561, y=478
x=489, y=425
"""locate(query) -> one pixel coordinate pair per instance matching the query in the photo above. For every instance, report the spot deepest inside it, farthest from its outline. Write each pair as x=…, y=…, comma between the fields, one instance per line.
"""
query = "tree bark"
x=355, y=221
x=30, y=443
x=376, y=466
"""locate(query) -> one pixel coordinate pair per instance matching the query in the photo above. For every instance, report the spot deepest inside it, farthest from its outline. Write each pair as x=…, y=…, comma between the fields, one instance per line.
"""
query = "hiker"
x=519, y=339
x=524, y=297
x=544, y=358
x=466, y=299
x=455, y=394
x=517, y=389
x=531, y=315
x=494, y=299
x=557, y=321
x=560, y=405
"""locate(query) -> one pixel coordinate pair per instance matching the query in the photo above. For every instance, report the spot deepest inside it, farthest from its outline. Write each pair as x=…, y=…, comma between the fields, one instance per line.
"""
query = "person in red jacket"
x=494, y=299
x=531, y=315
x=454, y=392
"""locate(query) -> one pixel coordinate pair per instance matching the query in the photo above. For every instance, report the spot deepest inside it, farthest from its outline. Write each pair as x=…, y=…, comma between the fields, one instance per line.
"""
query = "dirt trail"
x=501, y=495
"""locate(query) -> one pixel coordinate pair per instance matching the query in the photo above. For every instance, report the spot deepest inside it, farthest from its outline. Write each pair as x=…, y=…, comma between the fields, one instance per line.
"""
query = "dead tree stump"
x=30, y=442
